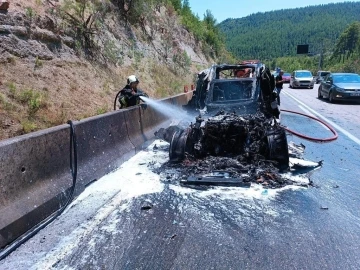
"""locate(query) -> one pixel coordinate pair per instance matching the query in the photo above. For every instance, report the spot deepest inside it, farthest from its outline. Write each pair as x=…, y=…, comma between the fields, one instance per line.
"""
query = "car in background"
x=320, y=75
x=340, y=86
x=301, y=79
x=286, y=77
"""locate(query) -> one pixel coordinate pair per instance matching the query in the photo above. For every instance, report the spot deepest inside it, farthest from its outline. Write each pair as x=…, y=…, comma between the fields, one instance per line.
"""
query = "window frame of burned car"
x=236, y=90
x=227, y=75
x=263, y=98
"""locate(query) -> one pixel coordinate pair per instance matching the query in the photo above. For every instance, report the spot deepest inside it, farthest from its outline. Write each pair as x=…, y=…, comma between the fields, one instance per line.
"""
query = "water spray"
x=172, y=111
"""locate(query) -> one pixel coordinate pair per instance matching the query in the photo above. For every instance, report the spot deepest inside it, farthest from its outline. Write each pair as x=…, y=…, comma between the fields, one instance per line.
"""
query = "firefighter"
x=130, y=94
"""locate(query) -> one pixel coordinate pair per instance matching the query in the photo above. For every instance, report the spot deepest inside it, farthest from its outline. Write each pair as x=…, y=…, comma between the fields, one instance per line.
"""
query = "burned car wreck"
x=244, y=89
x=236, y=138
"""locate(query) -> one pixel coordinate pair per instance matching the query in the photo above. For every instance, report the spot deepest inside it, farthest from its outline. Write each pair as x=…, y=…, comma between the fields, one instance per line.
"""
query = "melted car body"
x=239, y=117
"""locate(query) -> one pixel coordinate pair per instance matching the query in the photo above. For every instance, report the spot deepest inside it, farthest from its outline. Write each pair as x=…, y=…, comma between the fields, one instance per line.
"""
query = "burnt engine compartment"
x=249, y=137
x=250, y=148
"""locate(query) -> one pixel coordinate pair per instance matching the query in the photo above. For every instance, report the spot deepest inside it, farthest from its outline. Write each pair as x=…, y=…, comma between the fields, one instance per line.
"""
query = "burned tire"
x=178, y=146
x=278, y=147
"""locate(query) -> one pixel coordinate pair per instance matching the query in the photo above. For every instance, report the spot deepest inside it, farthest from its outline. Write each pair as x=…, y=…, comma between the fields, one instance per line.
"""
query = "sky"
x=224, y=9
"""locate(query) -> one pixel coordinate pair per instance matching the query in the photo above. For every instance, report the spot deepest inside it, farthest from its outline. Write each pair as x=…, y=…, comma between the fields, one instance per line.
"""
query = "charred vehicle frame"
x=239, y=118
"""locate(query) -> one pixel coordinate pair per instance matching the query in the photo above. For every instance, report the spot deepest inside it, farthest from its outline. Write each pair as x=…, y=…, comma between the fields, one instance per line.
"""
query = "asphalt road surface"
x=135, y=219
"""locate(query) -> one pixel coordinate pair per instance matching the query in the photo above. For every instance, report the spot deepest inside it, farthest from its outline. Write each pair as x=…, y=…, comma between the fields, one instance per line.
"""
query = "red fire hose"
x=312, y=138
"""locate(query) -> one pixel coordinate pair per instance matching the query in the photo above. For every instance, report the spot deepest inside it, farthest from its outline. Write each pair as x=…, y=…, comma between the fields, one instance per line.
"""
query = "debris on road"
x=234, y=150
x=146, y=206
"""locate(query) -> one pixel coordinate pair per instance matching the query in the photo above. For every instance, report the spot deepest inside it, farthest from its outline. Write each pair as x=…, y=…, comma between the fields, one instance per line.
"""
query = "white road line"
x=343, y=131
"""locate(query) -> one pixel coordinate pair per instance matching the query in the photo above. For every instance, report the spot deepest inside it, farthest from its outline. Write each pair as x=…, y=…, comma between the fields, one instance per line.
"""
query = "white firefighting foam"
x=113, y=193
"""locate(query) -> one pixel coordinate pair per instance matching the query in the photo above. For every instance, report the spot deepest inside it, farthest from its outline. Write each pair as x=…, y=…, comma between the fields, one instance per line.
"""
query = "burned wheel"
x=177, y=145
x=278, y=147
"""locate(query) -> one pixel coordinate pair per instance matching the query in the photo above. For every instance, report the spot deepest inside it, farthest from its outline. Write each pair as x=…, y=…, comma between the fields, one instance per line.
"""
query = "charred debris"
x=228, y=149
x=240, y=144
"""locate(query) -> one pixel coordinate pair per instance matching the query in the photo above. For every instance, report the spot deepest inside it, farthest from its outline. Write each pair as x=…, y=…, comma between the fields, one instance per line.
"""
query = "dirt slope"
x=46, y=79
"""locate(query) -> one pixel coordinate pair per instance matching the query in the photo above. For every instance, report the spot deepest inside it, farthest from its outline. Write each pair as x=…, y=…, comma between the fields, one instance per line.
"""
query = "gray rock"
x=24, y=48
x=68, y=41
x=45, y=35
x=16, y=30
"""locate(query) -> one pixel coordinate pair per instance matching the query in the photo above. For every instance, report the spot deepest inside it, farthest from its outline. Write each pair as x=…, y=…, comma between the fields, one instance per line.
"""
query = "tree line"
x=344, y=56
x=276, y=34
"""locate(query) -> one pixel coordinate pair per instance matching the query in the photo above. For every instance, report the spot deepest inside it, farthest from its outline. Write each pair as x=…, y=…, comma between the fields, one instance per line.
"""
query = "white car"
x=301, y=79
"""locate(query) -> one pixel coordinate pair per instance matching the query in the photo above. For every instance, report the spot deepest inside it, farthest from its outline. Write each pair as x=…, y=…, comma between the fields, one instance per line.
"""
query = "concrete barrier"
x=34, y=173
x=34, y=168
x=181, y=99
x=102, y=144
x=133, y=125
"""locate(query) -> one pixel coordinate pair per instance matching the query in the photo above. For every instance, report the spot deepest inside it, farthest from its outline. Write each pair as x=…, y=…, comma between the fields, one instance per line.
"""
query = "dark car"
x=286, y=77
x=320, y=76
x=340, y=86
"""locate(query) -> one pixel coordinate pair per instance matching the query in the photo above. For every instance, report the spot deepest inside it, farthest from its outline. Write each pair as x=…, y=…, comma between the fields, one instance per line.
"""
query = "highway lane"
x=344, y=114
x=220, y=228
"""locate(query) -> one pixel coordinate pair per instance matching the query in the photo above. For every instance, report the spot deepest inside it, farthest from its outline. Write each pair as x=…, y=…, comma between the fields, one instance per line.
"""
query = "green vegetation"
x=277, y=33
x=11, y=59
x=344, y=57
x=166, y=83
x=182, y=59
x=204, y=30
x=28, y=126
x=137, y=58
x=332, y=32
x=348, y=44
x=34, y=99
x=7, y=106
x=82, y=17
x=12, y=89
x=107, y=88
x=38, y=62
x=101, y=110
x=30, y=13
x=112, y=53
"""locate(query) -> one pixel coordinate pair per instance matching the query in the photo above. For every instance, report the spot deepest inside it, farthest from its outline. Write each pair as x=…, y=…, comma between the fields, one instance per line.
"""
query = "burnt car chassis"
x=236, y=133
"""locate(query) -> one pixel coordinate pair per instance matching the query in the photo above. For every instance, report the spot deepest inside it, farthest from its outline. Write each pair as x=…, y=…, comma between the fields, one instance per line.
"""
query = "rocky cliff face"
x=48, y=76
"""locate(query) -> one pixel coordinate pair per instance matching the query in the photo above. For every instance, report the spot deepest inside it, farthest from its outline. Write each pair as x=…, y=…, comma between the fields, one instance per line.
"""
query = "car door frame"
x=325, y=85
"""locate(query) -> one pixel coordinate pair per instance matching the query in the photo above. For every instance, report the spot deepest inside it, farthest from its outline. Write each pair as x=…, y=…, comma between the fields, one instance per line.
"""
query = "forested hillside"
x=276, y=34
x=344, y=57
